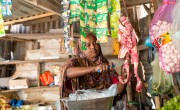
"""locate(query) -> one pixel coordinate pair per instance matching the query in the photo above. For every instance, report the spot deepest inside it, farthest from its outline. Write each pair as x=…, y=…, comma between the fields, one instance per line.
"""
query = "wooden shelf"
x=9, y=62
x=41, y=88
x=33, y=37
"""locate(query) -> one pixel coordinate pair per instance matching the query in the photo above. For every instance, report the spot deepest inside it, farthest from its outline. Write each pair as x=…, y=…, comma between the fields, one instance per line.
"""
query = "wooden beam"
x=142, y=47
x=14, y=39
x=33, y=89
x=28, y=18
x=32, y=61
x=155, y=4
x=42, y=20
x=46, y=5
x=137, y=2
x=37, y=36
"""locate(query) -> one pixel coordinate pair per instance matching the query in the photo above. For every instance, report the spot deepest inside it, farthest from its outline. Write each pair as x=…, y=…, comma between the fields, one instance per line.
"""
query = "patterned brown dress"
x=93, y=80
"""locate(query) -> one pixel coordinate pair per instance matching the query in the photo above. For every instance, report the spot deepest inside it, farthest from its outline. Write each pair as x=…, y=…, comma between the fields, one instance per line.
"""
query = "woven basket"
x=92, y=104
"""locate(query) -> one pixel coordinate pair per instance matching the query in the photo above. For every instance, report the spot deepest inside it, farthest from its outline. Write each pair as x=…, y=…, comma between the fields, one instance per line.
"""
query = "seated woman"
x=83, y=73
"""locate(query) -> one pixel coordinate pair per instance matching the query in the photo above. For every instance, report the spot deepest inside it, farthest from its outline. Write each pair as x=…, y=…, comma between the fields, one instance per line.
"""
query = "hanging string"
x=126, y=12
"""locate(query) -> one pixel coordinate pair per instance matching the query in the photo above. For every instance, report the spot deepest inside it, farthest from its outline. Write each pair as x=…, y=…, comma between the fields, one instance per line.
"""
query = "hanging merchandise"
x=115, y=12
x=93, y=18
x=128, y=50
x=161, y=82
x=116, y=46
x=2, y=31
x=148, y=42
x=6, y=7
x=169, y=56
x=69, y=13
x=175, y=27
x=74, y=11
x=66, y=29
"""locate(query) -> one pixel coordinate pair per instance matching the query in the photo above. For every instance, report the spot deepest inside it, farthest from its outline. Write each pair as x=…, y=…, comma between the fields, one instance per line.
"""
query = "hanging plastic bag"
x=148, y=42
x=161, y=16
x=46, y=78
x=160, y=37
x=161, y=82
x=175, y=28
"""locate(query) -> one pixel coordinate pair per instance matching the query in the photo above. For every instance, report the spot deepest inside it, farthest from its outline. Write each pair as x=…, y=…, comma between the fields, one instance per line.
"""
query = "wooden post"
x=56, y=24
x=71, y=30
x=51, y=25
x=31, y=29
x=176, y=87
x=39, y=71
x=157, y=102
x=46, y=27
x=155, y=4
x=129, y=93
x=37, y=28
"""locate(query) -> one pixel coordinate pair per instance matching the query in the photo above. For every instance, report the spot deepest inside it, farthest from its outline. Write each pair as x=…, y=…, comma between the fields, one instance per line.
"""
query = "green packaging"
x=74, y=1
x=95, y=5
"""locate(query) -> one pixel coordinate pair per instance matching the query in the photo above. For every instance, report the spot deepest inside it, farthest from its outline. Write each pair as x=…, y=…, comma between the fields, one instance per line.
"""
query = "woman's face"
x=93, y=48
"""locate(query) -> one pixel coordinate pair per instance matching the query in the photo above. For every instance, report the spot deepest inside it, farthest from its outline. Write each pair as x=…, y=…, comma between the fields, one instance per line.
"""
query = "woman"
x=90, y=71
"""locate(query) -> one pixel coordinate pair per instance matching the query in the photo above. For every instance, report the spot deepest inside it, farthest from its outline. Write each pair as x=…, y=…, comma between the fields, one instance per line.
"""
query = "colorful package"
x=74, y=1
x=115, y=11
x=74, y=10
x=102, y=38
x=116, y=46
x=46, y=78
x=99, y=17
x=6, y=7
x=2, y=31
x=114, y=19
x=95, y=5
x=93, y=24
x=100, y=31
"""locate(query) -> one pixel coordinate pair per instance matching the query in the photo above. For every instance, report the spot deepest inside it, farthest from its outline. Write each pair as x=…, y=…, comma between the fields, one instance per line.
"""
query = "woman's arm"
x=73, y=72
x=120, y=87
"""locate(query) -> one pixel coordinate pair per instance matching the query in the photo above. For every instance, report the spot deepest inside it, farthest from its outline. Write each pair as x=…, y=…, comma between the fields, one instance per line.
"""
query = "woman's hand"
x=102, y=68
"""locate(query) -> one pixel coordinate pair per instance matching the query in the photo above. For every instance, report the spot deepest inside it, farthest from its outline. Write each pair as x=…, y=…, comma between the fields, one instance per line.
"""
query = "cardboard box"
x=18, y=83
x=4, y=82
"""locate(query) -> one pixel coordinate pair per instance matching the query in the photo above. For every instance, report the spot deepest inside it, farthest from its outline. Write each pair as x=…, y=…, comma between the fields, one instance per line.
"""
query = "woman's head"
x=93, y=48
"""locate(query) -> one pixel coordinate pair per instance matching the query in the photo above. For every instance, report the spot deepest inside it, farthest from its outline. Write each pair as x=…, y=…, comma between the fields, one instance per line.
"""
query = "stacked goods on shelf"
x=48, y=49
